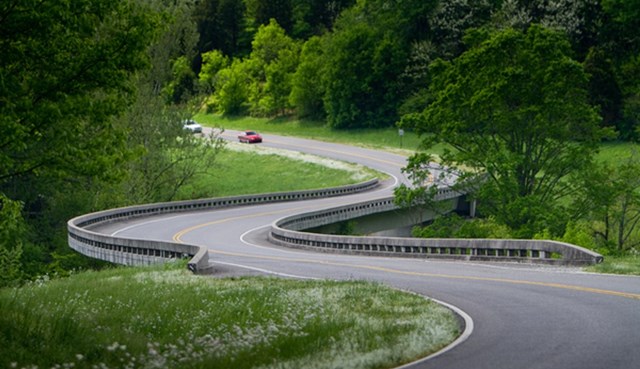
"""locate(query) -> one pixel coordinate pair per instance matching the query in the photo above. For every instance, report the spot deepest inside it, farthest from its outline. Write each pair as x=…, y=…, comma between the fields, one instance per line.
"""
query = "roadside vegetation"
x=244, y=169
x=166, y=317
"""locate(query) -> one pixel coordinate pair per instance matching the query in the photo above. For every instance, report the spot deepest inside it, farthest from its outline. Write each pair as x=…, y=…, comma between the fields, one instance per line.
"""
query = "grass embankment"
x=629, y=265
x=244, y=169
x=165, y=317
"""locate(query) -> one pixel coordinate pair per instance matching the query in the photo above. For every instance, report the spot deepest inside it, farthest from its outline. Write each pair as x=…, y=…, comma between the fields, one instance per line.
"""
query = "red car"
x=249, y=137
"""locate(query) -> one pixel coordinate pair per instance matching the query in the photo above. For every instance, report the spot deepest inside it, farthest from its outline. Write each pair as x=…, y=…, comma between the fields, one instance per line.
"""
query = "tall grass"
x=165, y=317
x=629, y=265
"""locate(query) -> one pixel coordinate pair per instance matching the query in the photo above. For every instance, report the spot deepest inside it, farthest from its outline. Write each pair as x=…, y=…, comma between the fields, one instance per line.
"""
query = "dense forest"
x=93, y=93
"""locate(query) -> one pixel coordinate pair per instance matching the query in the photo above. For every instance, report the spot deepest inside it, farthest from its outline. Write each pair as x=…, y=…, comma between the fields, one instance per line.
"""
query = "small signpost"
x=401, y=134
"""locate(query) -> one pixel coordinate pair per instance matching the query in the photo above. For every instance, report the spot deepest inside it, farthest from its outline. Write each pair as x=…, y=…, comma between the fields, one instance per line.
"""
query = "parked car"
x=249, y=137
x=192, y=126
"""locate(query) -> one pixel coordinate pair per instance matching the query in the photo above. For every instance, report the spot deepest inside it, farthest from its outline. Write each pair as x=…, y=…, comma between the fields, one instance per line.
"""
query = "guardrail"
x=287, y=232
x=129, y=251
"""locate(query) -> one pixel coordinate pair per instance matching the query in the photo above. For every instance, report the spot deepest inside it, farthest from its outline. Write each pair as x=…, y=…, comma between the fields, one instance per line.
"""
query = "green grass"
x=615, y=151
x=251, y=169
x=629, y=265
x=165, y=317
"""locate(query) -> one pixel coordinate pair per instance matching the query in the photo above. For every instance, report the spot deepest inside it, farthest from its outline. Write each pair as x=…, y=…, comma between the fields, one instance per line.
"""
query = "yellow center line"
x=437, y=275
x=178, y=238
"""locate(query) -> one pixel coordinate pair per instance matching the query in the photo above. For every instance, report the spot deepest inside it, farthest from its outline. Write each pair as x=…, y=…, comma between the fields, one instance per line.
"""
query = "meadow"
x=165, y=317
x=243, y=169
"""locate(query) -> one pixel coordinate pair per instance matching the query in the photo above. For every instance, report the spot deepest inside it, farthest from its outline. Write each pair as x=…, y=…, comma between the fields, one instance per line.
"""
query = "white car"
x=192, y=126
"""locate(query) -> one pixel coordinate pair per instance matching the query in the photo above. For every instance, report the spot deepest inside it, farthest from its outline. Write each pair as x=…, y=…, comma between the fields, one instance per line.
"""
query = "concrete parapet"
x=142, y=252
x=287, y=232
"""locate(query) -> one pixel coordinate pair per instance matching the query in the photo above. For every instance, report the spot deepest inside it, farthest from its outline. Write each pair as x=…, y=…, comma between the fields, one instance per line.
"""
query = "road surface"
x=522, y=316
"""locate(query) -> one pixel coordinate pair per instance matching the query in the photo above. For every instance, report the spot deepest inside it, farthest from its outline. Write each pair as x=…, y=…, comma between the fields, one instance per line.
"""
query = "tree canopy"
x=513, y=112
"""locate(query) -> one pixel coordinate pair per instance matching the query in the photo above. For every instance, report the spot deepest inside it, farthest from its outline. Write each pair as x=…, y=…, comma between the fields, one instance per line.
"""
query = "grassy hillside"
x=249, y=169
x=165, y=317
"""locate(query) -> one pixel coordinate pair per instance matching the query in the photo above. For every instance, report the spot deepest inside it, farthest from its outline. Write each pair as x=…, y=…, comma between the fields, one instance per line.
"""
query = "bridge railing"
x=129, y=251
x=288, y=232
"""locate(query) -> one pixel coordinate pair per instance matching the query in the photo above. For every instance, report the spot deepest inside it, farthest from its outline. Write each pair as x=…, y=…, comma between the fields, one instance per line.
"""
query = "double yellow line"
x=178, y=238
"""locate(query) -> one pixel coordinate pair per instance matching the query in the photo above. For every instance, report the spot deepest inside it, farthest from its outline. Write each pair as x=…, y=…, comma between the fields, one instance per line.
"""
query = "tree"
x=279, y=10
x=11, y=228
x=362, y=78
x=315, y=17
x=421, y=194
x=212, y=63
x=231, y=89
x=307, y=85
x=272, y=63
x=610, y=198
x=167, y=156
x=65, y=71
x=513, y=111
x=367, y=55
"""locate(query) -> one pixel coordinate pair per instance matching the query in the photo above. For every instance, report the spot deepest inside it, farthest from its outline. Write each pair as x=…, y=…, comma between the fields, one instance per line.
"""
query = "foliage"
x=262, y=82
x=281, y=11
x=611, y=196
x=212, y=63
x=273, y=60
x=180, y=89
x=221, y=25
x=66, y=71
x=231, y=90
x=307, y=87
x=11, y=228
x=361, y=73
x=455, y=226
x=66, y=62
x=513, y=110
x=366, y=56
x=421, y=193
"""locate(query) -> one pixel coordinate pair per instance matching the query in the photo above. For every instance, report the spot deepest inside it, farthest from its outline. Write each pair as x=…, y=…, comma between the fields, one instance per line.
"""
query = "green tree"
x=212, y=63
x=307, y=87
x=362, y=78
x=366, y=57
x=167, y=157
x=272, y=63
x=315, y=17
x=610, y=198
x=65, y=71
x=231, y=89
x=231, y=28
x=11, y=239
x=279, y=10
x=512, y=111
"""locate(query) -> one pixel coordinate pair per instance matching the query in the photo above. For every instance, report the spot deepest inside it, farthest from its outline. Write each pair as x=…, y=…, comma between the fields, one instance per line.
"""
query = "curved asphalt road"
x=523, y=316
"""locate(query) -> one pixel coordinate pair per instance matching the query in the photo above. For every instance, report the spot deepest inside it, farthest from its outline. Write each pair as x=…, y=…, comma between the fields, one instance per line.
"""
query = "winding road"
x=520, y=316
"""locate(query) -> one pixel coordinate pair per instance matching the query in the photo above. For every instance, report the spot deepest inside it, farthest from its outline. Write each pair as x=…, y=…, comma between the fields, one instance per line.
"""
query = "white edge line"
x=468, y=330
x=264, y=270
x=144, y=224
x=468, y=321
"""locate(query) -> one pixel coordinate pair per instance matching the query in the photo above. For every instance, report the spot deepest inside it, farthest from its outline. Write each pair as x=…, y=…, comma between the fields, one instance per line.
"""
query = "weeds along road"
x=523, y=316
